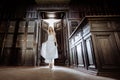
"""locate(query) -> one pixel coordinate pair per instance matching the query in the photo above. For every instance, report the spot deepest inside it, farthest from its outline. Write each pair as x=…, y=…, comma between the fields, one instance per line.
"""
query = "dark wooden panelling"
x=6, y=57
x=86, y=30
x=72, y=59
x=10, y=57
x=44, y=26
x=80, y=55
x=73, y=23
x=100, y=40
x=116, y=25
x=107, y=50
x=101, y=26
x=18, y=44
x=90, y=54
x=22, y=25
x=29, y=57
x=11, y=28
x=1, y=39
x=117, y=36
x=3, y=26
x=74, y=14
x=61, y=35
x=8, y=42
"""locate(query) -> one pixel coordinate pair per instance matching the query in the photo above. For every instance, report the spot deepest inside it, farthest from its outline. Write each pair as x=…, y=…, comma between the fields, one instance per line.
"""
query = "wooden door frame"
x=39, y=34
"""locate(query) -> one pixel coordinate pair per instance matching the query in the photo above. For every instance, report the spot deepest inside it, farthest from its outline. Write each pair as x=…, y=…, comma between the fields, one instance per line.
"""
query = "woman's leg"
x=51, y=63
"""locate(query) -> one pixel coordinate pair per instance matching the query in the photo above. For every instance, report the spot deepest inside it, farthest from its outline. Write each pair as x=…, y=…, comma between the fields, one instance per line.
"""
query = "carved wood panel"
x=31, y=27
x=29, y=57
x=80, y=54
x=73, y=23
x=26, y=42
x=3, y=26
x=5, y=58
x=8, y=40
x=74, y=14
x=116, y=25
x=22, y=26
x=101, y=26
x=11, y=26
x=107, y=50
x=90, y=54
x=117, y=36
x=20, y=42
x=30, y=40
x=1, y=39
x=72, y=60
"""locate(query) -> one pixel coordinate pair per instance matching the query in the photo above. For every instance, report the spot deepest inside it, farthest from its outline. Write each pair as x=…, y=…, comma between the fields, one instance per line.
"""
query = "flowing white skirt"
x=49, y=51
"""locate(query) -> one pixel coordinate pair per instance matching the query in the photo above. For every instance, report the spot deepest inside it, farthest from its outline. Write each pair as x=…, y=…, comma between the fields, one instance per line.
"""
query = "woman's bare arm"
x=55, y=39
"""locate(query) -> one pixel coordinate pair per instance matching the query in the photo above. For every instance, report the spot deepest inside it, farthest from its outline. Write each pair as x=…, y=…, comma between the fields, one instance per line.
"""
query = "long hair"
x=51, y=30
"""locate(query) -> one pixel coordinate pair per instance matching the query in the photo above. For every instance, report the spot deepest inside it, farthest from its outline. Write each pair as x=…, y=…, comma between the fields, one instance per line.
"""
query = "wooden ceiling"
x=51, y=1
x=14, y=3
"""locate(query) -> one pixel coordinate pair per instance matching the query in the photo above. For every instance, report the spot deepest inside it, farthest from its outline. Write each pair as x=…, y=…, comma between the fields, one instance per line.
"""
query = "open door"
x=44, y=35
x=60, y=39
x=55, y=19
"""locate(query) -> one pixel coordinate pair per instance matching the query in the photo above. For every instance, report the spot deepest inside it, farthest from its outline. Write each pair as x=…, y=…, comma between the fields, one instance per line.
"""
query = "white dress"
x=49, y=50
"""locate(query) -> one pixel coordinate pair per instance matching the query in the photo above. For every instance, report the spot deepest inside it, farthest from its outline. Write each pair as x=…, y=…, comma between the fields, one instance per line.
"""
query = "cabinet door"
x=1, y=39
x=18, y=46
x=80, y=55
x=26, y=42
x=72, y=58
x=90, y=54
x=6, y=58
x=3, y=26
x=117, y=37
x=7, y=42
x=21, y=41
x=30, y=53
x=106, y=50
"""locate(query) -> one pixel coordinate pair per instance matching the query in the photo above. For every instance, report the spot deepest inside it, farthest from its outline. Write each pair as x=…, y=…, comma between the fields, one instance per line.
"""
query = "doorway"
x=56, y=19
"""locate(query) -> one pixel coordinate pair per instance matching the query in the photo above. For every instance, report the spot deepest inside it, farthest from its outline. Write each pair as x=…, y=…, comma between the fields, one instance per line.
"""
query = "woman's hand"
x=56, y=44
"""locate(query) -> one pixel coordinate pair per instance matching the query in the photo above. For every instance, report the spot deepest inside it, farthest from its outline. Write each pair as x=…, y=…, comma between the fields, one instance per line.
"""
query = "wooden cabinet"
x=98, y=46
x=106, y=50
x=18, y=43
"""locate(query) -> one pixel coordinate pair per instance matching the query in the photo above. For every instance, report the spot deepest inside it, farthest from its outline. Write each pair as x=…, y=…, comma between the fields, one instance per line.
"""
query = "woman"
x=49, y=48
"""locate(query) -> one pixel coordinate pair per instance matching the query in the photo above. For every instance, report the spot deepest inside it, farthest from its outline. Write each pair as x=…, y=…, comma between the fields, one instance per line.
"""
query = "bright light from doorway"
x=51, y=15
x=52, y=21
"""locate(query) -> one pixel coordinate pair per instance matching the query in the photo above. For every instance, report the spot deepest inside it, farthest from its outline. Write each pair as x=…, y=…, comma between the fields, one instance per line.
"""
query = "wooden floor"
x=44, y=73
